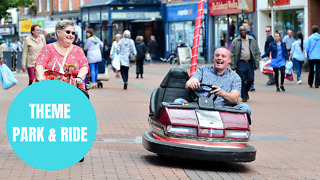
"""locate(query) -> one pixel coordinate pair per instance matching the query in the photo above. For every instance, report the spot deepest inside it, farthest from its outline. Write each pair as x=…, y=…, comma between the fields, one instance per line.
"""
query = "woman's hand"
x=78, y=80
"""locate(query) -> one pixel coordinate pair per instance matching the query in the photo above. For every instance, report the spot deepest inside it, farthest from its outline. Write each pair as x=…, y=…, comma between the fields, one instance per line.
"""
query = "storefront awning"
x=94, y=3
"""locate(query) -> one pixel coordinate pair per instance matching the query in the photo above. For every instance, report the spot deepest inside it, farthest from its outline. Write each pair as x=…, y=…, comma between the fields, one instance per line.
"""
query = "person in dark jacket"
x=141, y=51
x=52, y=39
x=152, y=48
x=279, y=56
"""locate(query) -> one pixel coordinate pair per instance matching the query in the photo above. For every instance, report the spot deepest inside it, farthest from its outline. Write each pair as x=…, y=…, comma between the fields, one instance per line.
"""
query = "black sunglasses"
x=72, y=32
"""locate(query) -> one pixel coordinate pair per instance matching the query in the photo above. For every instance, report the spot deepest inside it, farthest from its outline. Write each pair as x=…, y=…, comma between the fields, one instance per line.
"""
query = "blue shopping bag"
x=6, y=76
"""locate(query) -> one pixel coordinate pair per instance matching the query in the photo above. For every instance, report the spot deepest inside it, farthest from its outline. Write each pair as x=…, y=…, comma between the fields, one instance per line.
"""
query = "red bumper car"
x=198, y=129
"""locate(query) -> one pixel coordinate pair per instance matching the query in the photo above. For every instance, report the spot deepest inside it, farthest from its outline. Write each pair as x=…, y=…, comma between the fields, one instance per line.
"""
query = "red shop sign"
x=221, y=7
x=281, y=2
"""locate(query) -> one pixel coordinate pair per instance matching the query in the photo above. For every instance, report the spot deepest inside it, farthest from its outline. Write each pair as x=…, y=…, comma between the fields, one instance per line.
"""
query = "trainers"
x=163, y=59
x=299, y=81
x=278, y=90
x=282, y=88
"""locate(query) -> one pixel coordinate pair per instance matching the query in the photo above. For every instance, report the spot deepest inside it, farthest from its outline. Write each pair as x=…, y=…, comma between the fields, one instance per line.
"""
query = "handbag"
x=147, y=56
x=132, y=58
x=6, y=76
x=104, y=76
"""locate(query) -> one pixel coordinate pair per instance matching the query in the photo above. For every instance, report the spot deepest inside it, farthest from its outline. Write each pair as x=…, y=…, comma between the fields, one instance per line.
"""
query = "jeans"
x=242, y=106
x=94, y=71
x=124, y=70
x=276, y=74
x=152, y=55
x=246, y=73
x=311, y=72
x=297, y=65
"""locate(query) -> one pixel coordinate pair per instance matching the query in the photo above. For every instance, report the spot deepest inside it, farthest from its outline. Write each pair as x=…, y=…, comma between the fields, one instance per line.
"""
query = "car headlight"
x=211, y=132
x=238, y=134
x=182, y=130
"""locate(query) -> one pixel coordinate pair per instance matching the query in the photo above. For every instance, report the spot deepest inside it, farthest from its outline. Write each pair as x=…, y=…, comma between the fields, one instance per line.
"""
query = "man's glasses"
x=72, y=32
x=268, y=31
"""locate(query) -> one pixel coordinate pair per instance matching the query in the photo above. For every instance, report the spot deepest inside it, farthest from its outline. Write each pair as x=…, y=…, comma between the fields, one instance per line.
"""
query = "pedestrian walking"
x=106, y=51
x=313, y=49
x=20, y=44
x=93, y=47
x=297, y=56
x=152, y=48
x=279, y=56
x=31, y=48
x=288, y=39
x=52, y=38
x=141, y=51
x=125, y=47
x=113, y=51
x=245, y=59
x=269, y=40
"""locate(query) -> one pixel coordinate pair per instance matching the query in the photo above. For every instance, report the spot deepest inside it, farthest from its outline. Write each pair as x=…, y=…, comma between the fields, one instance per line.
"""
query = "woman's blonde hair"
x=117, y=35
x=138, y=38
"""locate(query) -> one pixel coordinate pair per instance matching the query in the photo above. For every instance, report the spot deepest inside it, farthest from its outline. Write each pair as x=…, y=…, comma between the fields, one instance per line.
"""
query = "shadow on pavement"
x=196, y=164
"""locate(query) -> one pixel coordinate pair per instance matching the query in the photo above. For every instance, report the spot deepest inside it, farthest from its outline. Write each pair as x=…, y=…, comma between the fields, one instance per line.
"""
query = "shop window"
x=289, y=19
x=221, y=31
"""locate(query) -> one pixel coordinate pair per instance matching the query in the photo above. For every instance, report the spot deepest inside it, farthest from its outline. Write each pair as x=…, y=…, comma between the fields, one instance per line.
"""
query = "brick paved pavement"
x=284, y=131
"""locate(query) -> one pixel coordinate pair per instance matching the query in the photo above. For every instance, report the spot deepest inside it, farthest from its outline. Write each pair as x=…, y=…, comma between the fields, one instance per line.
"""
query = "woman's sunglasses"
x=72, y=32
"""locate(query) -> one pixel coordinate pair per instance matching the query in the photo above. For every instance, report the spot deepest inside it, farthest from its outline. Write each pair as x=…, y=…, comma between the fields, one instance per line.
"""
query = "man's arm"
x=192, y=83
x=231, y=97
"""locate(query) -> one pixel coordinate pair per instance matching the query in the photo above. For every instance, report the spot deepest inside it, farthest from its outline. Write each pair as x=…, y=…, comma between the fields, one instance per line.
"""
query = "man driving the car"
x=226, y=83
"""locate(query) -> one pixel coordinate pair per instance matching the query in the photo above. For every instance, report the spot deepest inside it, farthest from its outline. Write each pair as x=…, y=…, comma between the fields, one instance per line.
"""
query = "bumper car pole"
x=196, y=37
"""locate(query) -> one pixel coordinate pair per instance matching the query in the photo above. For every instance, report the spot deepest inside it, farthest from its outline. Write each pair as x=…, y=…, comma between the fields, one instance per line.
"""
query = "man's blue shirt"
x=228, y=81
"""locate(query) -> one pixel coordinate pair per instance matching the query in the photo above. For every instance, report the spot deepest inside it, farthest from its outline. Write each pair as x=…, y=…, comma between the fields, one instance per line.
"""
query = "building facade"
x=225, y=18
x=282, y=16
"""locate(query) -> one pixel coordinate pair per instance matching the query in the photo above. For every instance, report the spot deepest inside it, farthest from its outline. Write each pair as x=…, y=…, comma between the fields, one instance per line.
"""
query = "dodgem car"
x=198, y=128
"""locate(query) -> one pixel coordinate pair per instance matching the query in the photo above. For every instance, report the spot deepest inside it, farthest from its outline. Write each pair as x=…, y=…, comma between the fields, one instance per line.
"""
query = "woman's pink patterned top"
x=50, y=59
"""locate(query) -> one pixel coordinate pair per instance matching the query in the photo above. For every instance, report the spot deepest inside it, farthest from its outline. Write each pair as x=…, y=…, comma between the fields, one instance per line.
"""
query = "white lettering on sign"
x=50, y=111
x=28, y=134
x=185, y=12
x=73, y=134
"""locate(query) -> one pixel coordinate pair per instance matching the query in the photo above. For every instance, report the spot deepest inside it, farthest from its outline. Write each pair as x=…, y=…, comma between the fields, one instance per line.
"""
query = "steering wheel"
x=209, y=94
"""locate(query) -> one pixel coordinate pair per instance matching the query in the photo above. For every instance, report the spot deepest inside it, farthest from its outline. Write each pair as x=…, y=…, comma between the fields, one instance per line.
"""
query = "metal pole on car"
x=196, y=37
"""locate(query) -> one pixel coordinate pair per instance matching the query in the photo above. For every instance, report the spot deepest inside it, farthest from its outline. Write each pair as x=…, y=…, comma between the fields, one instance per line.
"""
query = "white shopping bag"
x=116, y=62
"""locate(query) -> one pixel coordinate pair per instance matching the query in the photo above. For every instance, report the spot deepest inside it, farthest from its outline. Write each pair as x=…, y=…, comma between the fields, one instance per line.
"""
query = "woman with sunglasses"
x=31, y=48
x=59, y=55
x=93, y=47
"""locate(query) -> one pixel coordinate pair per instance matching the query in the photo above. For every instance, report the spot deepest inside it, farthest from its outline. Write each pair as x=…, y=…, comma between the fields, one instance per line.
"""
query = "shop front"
x=226, y=17
x=180, y=27
x=282, y=16
x=141, y=18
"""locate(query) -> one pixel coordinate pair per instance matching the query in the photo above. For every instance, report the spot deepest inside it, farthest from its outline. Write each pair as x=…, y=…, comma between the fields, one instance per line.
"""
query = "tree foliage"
x=6, y=4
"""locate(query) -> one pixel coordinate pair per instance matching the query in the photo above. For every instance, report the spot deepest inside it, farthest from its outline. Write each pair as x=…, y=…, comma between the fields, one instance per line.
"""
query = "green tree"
x=6, y=4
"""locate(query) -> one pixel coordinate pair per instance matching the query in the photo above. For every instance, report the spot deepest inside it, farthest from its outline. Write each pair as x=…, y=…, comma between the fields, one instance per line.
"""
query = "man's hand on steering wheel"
x=193, y=83
x=217, y=91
